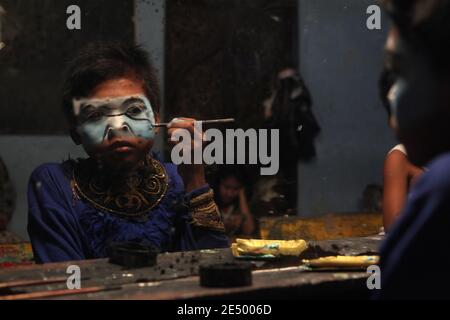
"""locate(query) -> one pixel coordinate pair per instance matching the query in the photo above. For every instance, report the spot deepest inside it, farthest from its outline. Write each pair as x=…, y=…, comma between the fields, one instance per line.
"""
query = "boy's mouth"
x=120, y=150
x=121, y=146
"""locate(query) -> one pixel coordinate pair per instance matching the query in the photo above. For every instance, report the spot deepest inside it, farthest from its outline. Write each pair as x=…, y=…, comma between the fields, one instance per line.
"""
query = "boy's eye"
x=135, y=110
x=94, y=116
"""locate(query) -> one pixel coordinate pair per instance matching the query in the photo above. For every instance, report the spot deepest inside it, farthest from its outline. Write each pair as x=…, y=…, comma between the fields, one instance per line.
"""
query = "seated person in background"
x=399, y=176
x=121, y=192
x=415, y=260
x=232, y=202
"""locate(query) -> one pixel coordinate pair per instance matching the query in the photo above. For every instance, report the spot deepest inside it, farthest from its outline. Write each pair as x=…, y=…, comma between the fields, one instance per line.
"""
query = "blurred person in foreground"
x=414, y=257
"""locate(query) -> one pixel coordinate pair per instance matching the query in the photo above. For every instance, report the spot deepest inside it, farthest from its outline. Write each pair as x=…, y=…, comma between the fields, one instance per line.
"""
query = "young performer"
x=121, y=192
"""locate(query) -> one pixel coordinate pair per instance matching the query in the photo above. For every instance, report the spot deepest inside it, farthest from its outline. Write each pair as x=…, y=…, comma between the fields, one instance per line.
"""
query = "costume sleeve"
x=208, y=229
x=53, y=231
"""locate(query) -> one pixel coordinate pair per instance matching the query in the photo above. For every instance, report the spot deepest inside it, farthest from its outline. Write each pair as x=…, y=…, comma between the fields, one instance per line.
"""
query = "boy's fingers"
x=181, y=123
x=186, y=124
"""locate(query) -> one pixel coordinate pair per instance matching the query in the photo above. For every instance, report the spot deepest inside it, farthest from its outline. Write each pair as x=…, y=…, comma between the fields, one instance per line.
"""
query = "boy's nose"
x=123, y=130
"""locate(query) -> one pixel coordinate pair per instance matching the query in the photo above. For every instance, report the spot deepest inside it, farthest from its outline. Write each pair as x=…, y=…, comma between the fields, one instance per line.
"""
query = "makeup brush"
x=227, y=120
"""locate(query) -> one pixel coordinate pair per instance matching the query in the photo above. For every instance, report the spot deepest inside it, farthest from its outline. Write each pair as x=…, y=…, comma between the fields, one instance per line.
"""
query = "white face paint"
x=128, y=116
x=396, y=89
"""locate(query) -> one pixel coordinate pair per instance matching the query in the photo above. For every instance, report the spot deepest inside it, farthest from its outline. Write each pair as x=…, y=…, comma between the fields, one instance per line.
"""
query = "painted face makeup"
x=99, y=119
x=393, y=94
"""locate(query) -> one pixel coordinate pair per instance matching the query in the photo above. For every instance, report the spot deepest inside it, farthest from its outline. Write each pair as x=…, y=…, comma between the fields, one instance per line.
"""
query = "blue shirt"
x=415, y=256
x=62, y=227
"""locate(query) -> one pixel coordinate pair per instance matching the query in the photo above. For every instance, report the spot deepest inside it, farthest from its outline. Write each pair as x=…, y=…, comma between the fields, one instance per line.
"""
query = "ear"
x=75, y=136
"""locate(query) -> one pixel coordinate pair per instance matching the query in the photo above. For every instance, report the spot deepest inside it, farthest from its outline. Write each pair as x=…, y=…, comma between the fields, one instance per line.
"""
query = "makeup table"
x=175, y=276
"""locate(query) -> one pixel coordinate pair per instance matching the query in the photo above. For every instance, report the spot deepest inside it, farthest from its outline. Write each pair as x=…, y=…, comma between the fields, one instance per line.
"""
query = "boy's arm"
x=206, y=221
x=52, y=229
x=395, y=187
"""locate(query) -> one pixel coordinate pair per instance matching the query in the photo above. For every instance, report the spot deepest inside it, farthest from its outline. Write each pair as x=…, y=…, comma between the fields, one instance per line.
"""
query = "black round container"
x=132, y=254
x=226, y=275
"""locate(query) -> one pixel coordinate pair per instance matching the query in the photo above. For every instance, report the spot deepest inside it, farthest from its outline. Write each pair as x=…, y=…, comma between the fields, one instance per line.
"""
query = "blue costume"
x=415, y=257
x=64, y=227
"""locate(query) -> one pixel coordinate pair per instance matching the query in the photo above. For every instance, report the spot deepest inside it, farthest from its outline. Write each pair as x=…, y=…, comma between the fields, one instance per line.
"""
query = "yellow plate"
x=257, y=247
x=342, y=262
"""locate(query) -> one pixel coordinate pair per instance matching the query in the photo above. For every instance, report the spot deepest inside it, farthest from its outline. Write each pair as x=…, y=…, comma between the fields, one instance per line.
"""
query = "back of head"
x=425, y=26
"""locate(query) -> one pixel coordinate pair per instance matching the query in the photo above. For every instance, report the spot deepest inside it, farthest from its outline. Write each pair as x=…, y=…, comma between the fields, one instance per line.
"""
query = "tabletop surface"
x=175, y=276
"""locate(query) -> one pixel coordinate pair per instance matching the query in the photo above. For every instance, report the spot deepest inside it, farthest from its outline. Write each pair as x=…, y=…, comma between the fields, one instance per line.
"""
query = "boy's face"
x=115, y=123
x=418, y=111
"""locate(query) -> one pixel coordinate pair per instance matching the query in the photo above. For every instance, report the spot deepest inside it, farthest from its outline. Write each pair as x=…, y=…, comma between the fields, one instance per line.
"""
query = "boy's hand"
x=193, y=175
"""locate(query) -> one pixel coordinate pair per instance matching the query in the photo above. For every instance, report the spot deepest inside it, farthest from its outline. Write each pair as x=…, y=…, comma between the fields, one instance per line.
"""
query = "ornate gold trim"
x=205, y=213
x=159, y=174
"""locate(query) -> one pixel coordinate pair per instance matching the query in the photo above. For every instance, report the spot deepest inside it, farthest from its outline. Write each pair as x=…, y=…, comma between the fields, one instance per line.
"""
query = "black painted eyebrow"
x=90, y=107
x=133, y=99
x=130, y=100
x=86, y=106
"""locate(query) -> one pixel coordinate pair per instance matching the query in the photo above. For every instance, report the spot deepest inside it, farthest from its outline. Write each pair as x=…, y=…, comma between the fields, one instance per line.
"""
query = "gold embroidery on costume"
x=204, y=212
x=133, y=198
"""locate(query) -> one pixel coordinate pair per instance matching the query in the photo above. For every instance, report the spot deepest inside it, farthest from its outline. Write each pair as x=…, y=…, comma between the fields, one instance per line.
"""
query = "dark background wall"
x=38, y=44
x=340, y=60
x=222, y=59
x=223, y=55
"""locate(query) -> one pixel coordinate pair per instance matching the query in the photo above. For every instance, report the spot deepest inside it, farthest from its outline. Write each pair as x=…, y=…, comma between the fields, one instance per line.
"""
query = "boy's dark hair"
x=99, y=62
x=425, y=25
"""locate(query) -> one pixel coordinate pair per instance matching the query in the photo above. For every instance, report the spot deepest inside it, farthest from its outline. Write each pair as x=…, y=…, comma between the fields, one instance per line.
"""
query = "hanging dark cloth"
x=292, y=115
